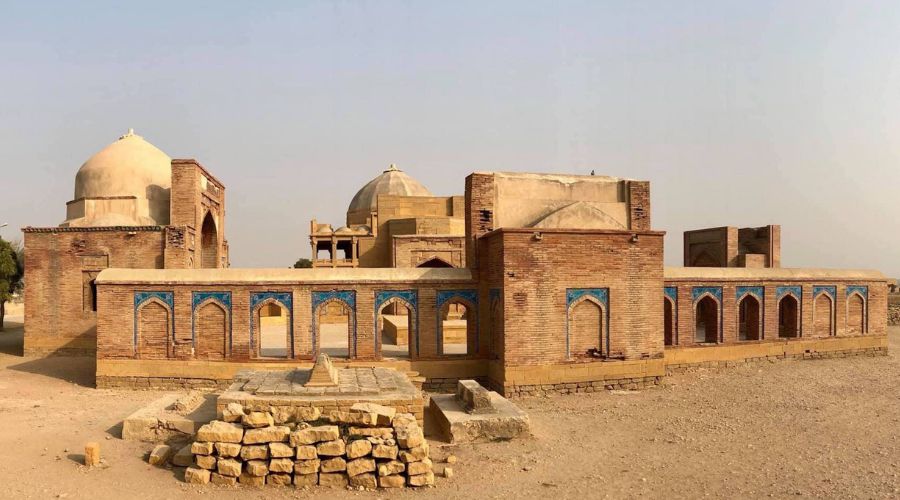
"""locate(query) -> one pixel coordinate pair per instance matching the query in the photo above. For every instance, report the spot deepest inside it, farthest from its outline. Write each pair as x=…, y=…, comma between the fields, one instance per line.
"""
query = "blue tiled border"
x=348, y=297
x=757, y=292
x=224, y=300
x=699, y=291
x=860, y=289
x=796, y=291
x=140, y=297
x=444, y=296
x=601, y=295
x=411, y=297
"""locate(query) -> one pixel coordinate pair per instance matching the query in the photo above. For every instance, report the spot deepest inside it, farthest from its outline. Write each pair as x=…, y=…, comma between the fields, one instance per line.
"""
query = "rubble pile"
x=368, y=447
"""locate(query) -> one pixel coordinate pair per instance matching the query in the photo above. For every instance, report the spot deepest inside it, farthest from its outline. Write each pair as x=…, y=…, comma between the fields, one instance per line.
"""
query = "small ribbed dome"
x=130, y=166
x=391, y=181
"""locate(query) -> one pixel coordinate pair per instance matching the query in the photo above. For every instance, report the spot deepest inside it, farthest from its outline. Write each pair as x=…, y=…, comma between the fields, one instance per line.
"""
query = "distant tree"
x=302, y=264
x=12, y=274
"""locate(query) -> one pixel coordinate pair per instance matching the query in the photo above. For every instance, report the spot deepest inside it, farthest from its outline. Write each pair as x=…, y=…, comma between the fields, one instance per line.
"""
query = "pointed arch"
x=857, y=314
x=823, y=315
x=707, y=319
x=587, y=328
x=209, y=242
x=212, y=330
x=789, y=316
x=749, y=318
x=670, y=323
x=434, y=262
x=154, y=335
x=321, y=301
x=394, y=334
x=267, y=340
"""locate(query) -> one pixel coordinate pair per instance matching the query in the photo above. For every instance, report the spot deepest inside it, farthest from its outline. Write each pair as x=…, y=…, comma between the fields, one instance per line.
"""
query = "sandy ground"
x=826, y=428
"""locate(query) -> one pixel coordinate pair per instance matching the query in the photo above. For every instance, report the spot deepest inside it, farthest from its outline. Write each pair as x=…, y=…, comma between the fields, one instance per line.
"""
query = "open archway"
x=396, y=325
x=749, y=318
x=209, y=243
x=707, y=321
x=273, y=323
x=334, y=325
x=788, y=317
x=456, y=327
x=668, y=322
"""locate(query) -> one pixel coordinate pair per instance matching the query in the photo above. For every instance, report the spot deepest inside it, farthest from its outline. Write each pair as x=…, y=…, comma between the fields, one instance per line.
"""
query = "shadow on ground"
x=75, y=370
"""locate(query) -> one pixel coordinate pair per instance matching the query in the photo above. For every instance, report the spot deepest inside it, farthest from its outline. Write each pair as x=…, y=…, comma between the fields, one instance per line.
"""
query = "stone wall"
x=368, y=447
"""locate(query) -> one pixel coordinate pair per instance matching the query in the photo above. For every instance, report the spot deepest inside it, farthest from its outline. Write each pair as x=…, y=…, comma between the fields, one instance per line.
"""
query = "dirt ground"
x=825, y=428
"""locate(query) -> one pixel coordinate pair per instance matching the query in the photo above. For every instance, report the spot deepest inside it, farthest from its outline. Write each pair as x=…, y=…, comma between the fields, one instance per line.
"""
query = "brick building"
x=134, y=207
x=544, y=283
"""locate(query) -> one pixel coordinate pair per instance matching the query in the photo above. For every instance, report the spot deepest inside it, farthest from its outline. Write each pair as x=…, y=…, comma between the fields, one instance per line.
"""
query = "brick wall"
x=815, y=315
x=540, y=270
x=410, y=251
x=58, y=317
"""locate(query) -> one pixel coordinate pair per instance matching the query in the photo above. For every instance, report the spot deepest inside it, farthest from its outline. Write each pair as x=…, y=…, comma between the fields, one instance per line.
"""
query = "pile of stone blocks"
x=367, y=447
x=476, y=414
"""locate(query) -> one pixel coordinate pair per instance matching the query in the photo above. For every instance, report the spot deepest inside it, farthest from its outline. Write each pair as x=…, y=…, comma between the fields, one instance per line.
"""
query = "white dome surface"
x=392, y=181
x=129, y=167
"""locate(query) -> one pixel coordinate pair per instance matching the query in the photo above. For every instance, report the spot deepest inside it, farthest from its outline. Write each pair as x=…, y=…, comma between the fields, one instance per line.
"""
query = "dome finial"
x=392, y=168
x=130, y=133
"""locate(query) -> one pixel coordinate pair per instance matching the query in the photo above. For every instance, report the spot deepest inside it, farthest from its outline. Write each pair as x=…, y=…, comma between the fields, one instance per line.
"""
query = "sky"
x=738, y=113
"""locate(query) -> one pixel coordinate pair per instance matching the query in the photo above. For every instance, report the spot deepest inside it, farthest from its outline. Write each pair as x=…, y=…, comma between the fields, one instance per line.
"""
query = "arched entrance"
x=749, y=318
x=707, y=321
x=788, y=317
x=209, y=243
x=669, y=321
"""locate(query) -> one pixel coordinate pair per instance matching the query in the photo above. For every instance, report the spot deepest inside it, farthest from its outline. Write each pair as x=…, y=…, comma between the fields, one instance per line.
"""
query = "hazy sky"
x=739, y=113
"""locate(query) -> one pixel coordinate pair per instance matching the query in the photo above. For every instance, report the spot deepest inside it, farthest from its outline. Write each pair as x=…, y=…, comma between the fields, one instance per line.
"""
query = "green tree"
x=302, y=264
x=12, y=274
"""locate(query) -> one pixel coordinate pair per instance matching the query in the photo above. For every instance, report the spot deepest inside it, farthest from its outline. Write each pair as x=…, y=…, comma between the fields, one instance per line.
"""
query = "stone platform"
x=323, y=389
x=171, y=418
x=476, y=414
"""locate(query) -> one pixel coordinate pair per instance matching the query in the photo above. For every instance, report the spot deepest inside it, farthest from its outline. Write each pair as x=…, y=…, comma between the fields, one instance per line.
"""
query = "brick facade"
x=63, y=262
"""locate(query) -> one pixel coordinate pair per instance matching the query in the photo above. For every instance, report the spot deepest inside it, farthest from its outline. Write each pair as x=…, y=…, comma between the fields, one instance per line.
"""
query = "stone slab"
x=459, y=426
x=159, y=421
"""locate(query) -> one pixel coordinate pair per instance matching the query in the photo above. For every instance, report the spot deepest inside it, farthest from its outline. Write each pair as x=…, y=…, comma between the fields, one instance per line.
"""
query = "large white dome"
x=391, y=181
x=129, y=167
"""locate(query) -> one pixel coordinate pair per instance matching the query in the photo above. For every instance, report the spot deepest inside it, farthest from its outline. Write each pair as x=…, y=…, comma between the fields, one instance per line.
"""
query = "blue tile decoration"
x=222, y=298
x=198, y=298
x=445, y=296
x=284, y=299
x=409, y=297
x=756, y=291
x=348, y=297
x=860, y=289
x=831, y=291
x=167, y=298
x=672, y=293
x=781, y=291
x=573, y=295
x=699, y=291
